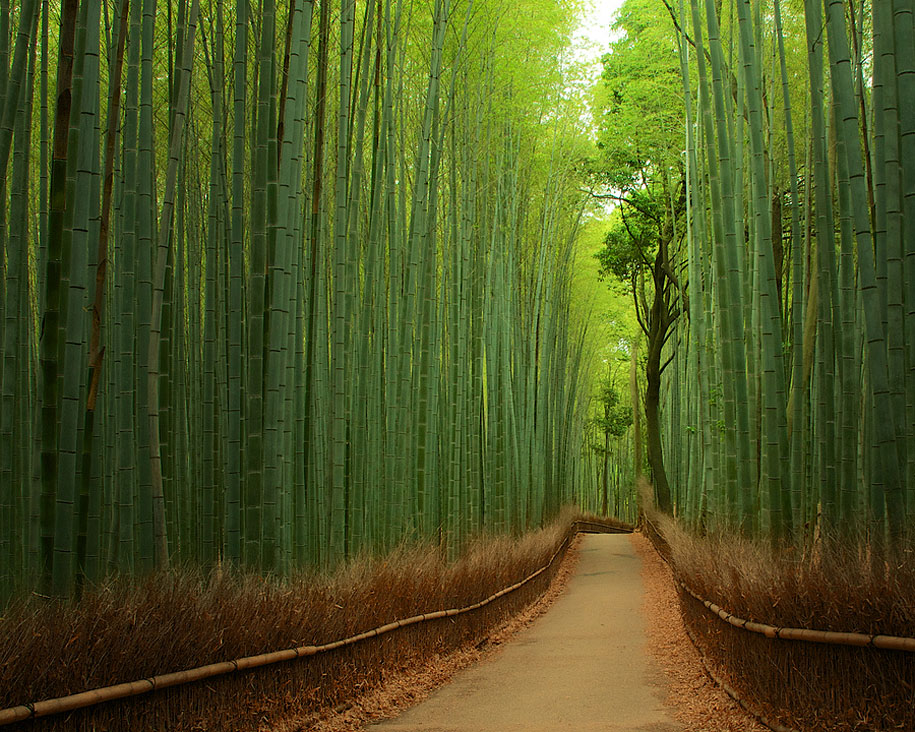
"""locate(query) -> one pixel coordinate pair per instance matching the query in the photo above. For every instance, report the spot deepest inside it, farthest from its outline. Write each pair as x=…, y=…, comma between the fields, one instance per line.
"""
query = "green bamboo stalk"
x=904, y=35
x=234, y=529
x=91, y=486
x=796, y=400
x=50, y=421
x=145, y=212
x=256, y=521
x=164, y=236
x=15, y=78
x=281, y=350
x=722, y=200
x=774, y=392
x=887, y=474
x=341, y=307
x=14, y=370
x=84, y=141
x=312, y=319
x=122, y=554
x=215, y=235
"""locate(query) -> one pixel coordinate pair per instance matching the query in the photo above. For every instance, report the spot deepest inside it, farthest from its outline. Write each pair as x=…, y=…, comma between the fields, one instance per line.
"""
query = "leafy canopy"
x=615, y=418
x=632, y=240
x=639, y=109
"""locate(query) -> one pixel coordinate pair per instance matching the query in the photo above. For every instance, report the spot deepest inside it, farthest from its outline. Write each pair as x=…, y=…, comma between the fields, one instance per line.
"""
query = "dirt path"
x=582, y=666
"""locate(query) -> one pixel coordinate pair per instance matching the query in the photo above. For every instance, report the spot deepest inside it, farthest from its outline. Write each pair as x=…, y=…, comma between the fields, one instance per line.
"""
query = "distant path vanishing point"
x=582, y=666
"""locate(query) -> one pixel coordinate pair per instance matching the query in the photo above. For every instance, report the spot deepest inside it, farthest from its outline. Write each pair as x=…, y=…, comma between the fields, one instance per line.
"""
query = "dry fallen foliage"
x=697, y=701
x=121, y=631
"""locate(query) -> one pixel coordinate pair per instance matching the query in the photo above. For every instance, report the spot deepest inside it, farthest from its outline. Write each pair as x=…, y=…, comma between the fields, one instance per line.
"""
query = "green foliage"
x=605, y=306
x=639, y=109
x=615, y=418
x=632, y=241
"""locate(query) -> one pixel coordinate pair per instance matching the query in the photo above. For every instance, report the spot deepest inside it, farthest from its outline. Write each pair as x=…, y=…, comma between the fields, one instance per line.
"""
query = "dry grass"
x=807, y=686
x=121, y=631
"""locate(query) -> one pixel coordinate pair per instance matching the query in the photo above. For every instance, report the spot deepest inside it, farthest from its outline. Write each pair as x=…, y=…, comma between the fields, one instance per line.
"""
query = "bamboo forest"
x=322, y=321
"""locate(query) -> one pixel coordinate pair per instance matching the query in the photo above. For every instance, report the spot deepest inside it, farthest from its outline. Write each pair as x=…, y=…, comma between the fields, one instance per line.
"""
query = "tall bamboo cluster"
x=791, y=402
x=608, y=487
x=282, y=282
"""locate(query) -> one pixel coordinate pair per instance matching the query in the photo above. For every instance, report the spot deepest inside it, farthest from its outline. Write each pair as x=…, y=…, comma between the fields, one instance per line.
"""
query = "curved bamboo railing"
x=657, y=539
x=830, y=637
x=729, y=690
x=773, y=632
x=861, y=640
x=72, y=702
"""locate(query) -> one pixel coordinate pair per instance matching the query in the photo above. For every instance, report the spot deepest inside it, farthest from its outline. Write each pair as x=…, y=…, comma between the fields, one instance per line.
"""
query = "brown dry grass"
x=120, y=631
x=806, y=686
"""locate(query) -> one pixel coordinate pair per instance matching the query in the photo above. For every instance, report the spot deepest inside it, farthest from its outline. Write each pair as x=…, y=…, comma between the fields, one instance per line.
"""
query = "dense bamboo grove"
x=282, y=283
x=790, y=401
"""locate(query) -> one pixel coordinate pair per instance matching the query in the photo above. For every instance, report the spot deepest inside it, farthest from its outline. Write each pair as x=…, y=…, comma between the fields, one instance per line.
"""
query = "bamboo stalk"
x=165, y=225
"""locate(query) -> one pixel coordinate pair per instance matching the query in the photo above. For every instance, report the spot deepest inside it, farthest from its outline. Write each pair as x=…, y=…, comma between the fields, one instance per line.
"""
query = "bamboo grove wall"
x=790, y=403
x=282, y=283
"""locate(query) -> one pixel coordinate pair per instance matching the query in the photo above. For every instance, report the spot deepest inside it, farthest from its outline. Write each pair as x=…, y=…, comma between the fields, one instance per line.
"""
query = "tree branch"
x=638, y=312
x=621, y=199
x=668, y=362
x=673, y=17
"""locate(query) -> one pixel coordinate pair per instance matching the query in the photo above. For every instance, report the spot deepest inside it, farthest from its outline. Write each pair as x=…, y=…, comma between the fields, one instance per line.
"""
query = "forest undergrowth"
x=832, y=586
x=121, y=631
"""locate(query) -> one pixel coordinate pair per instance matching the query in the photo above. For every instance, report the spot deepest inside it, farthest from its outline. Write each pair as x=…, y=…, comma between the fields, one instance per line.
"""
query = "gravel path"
x=582, y=666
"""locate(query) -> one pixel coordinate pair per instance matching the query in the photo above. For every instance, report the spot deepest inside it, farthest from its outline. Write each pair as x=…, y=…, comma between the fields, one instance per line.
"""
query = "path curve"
x=583, y=666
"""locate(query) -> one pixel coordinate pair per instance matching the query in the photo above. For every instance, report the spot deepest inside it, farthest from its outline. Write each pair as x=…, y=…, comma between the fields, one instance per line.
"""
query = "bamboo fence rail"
x=831, y=637
x=729, y=690
x=773, y=632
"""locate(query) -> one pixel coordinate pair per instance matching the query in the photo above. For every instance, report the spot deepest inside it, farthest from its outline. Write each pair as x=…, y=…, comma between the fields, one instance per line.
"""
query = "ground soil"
x=612, y=654
x=698, y=703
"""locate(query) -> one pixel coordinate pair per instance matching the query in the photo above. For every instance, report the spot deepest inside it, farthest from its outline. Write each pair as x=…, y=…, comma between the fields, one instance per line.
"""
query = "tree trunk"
x=636, y=414
x=603, y=507
x=652, y=425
